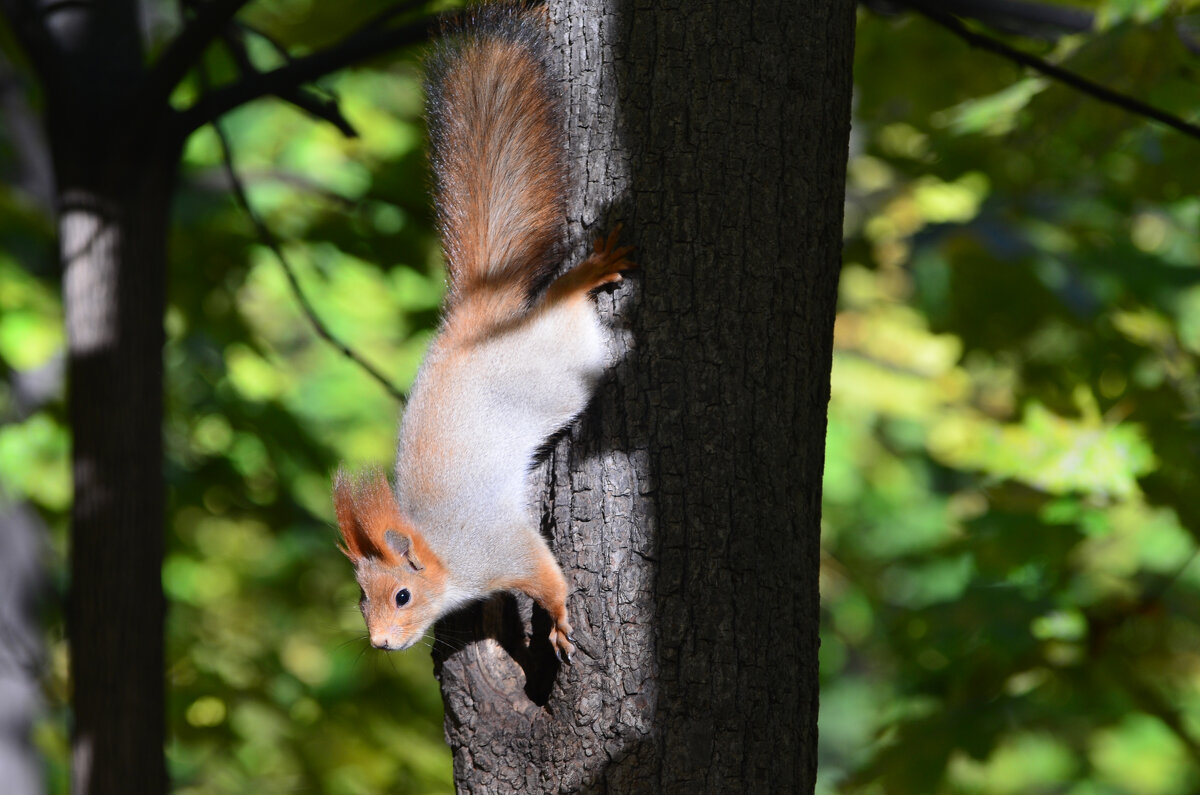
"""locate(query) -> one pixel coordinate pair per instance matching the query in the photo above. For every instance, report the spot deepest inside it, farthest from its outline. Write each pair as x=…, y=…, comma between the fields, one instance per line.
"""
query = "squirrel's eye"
x=402, y=597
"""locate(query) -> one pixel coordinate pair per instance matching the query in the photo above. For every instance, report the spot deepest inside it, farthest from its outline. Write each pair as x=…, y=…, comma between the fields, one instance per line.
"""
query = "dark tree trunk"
x=114, y=160
x=112, y=239
x=115, y=169
x=685, y=507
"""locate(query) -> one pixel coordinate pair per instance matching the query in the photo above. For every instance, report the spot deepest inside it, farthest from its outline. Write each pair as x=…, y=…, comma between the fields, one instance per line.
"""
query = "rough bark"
x=685, y=507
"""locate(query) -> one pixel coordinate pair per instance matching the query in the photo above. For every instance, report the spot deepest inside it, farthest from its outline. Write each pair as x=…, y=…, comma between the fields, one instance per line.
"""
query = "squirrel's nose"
x=381, y=642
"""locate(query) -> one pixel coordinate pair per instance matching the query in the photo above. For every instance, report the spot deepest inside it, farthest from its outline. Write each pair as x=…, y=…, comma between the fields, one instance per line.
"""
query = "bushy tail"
x=496, y=128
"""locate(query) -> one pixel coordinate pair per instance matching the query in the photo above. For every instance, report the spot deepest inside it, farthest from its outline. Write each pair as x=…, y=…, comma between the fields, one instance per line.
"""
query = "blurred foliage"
x=272, y=684
x=1010, y=507
x=1011, y=490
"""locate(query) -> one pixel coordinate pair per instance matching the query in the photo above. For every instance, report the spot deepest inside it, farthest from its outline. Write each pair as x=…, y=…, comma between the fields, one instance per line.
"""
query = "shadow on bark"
x=502, y=619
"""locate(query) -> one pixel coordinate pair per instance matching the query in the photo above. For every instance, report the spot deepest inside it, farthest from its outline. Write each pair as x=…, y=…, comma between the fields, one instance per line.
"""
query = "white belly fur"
x=477, y=416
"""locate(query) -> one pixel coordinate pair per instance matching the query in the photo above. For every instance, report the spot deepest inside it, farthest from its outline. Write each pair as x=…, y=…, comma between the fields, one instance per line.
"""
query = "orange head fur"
x=402, y=581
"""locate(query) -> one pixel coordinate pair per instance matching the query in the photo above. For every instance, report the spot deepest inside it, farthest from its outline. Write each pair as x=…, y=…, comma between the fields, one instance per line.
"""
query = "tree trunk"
x=113, y=247
x=115, y=170
x=685, y=507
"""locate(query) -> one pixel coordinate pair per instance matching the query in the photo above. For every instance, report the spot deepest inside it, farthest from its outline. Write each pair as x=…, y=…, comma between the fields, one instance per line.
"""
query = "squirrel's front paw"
x=607, y=261
x=560, y=637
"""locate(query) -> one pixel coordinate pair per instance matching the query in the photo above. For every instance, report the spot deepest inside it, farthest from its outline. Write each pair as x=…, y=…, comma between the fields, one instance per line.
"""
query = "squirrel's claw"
x=607, y=261
x=561, y=640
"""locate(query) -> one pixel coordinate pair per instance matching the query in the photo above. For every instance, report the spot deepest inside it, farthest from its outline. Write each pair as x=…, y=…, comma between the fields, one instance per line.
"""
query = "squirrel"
x=516, y=358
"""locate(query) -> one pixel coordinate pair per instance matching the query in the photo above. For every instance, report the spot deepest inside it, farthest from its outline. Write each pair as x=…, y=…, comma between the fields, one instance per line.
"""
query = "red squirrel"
x=514, y=360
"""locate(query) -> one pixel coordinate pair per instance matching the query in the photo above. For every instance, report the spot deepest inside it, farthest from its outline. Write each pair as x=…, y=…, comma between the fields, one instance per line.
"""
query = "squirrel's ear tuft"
x=355, y=514
x=343, y=493
x=402, y=546
x=368, y=517
x=343, y=506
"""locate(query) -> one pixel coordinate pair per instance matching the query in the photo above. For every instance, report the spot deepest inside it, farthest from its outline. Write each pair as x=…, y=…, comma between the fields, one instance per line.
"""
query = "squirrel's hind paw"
x=560, y=639
x=602, y=267
x=607, y=261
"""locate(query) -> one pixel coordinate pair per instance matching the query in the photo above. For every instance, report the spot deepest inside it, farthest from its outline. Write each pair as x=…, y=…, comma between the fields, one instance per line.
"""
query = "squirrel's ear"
x=402, y=545
x=348, y=523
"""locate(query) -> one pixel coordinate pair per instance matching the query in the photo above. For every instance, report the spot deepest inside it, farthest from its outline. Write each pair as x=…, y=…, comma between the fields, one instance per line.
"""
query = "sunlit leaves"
x=272, y=682
x=996, y=114
x=28, y=308
x=33, y=461
x=1050, y=453
x=1114, y=12
x=1010, y=515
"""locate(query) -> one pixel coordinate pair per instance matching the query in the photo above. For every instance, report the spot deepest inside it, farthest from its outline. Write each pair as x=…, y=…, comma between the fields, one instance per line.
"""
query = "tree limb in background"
x=267, y=238
x=315, y=105
x=214, y=20
x=1047, y=21
x=184, y=52
x=1078, y=82
x=1043, y=20
x=368, y=41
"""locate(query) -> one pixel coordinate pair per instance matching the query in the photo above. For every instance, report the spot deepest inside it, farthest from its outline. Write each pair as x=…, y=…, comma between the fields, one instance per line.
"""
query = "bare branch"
x=1076, y=81
x=184, y=52
x=1047, y=21
x=1043, y=20
x=367, y=42
x=267, y=238
x=310, y=102
x=319, y=107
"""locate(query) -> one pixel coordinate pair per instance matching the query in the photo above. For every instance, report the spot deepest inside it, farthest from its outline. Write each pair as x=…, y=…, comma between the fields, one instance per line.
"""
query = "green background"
x=1011, y=498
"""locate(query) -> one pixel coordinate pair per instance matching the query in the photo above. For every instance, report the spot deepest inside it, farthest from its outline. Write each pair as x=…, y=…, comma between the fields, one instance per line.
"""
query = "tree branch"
x=308, y=101
x=1048, y=21
x=320, y=108
x=1076, y=81
x=267, y=238
x=1044, y=20
x=184, y=52
x=367, y=42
